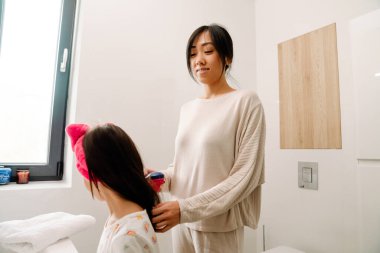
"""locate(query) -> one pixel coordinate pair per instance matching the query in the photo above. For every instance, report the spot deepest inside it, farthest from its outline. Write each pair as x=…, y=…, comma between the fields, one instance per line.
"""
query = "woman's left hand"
x=166, y=215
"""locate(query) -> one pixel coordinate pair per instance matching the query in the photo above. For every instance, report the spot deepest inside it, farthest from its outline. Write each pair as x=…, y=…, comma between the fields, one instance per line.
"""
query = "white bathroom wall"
x=330, y=219
x=130, y=69
x=365, y=48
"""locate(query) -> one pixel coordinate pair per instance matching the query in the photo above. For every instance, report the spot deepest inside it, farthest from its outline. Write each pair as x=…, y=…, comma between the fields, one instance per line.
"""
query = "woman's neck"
x=216, y=89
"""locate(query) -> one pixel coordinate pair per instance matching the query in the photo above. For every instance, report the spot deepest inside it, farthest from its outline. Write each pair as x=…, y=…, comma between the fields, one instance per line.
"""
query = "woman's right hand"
x=147, y=171
x=166, y=215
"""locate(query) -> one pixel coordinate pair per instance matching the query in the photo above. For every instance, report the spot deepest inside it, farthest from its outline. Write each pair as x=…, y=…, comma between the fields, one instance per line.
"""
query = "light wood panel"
x=309, y=91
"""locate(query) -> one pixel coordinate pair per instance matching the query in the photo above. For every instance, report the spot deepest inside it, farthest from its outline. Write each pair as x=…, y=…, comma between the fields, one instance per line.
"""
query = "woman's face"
x=206, y=64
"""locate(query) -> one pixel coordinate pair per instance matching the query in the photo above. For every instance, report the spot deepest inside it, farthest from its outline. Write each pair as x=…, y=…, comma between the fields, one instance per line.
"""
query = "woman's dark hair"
x=113, y=159
x=222, y=43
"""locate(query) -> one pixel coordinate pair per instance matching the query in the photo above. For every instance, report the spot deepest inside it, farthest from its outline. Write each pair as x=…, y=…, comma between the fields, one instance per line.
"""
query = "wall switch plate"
x=308, y=175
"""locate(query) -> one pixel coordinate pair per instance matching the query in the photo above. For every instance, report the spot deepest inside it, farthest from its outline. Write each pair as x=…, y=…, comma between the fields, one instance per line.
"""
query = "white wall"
x=130, y=69
x=365, y=45
x=327, y=220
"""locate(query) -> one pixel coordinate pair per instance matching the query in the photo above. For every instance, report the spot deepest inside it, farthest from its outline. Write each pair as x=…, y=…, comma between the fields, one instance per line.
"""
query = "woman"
x=219, y=155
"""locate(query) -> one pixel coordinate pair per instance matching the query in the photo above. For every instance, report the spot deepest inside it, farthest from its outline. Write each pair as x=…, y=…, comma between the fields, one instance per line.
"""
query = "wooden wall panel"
x=309, y=91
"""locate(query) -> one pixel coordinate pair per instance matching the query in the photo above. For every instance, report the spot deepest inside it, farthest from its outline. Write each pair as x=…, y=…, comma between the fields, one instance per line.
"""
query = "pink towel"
x=76, y=133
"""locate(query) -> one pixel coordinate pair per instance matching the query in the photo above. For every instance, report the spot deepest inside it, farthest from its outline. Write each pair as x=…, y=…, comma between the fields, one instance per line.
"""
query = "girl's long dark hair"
x=113, y=159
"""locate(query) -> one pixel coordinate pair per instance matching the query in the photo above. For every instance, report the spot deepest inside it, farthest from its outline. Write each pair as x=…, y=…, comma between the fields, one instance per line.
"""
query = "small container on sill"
x=5, y=175
x=22, y=176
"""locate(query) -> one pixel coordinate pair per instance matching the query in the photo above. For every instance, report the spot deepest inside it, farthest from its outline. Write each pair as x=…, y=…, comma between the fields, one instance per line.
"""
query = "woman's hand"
x=166, y=215
x=148, y=171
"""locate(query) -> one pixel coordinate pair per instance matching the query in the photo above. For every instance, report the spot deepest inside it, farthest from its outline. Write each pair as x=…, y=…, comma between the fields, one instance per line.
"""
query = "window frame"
x=53, y=170
x=1, y=21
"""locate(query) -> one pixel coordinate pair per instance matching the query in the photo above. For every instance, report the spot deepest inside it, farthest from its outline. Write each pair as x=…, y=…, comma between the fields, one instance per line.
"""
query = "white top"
x=131, y=234
x=219, y=162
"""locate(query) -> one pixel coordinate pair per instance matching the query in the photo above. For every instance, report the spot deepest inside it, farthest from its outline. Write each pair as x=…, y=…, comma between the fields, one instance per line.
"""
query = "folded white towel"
x=37, y=233
x=62, y=246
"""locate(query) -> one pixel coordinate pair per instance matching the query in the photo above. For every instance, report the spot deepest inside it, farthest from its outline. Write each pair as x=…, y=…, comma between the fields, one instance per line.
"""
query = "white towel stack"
x=37, y=233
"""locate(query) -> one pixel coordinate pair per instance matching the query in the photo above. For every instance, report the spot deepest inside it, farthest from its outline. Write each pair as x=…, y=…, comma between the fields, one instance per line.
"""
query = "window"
x=35, y=51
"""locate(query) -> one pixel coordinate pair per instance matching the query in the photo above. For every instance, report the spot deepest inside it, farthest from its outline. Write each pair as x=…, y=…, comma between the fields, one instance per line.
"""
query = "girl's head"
x=112, y=159
x=209, y=48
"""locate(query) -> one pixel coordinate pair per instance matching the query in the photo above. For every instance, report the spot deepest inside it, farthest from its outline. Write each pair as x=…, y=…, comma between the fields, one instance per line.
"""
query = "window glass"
x=27, y=69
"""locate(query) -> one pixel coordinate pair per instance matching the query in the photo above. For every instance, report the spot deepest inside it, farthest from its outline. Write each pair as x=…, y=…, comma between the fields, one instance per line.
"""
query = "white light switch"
x=308, y=175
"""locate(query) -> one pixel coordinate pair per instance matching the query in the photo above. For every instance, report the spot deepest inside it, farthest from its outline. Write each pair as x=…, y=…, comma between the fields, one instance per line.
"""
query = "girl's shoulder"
x=136, y=217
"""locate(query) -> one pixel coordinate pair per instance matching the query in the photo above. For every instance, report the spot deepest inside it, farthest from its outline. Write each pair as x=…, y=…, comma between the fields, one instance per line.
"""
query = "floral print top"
x=131, y=234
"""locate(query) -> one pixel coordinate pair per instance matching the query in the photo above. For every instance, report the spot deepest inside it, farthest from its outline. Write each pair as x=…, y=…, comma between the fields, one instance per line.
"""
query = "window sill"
x=36, y=185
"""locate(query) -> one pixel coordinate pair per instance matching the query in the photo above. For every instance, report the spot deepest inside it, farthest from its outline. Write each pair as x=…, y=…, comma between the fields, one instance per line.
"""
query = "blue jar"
x=5, y=175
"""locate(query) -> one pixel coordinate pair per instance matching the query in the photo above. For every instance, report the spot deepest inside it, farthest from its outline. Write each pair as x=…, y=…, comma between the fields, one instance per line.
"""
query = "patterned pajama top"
x=132, y=233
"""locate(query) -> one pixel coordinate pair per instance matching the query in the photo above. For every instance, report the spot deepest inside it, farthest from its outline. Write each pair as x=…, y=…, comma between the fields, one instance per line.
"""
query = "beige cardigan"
x=218, y=165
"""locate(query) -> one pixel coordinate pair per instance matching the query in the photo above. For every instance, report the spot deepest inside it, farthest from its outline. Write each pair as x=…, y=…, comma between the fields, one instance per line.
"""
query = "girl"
x=218, y=165
x=113, y=172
